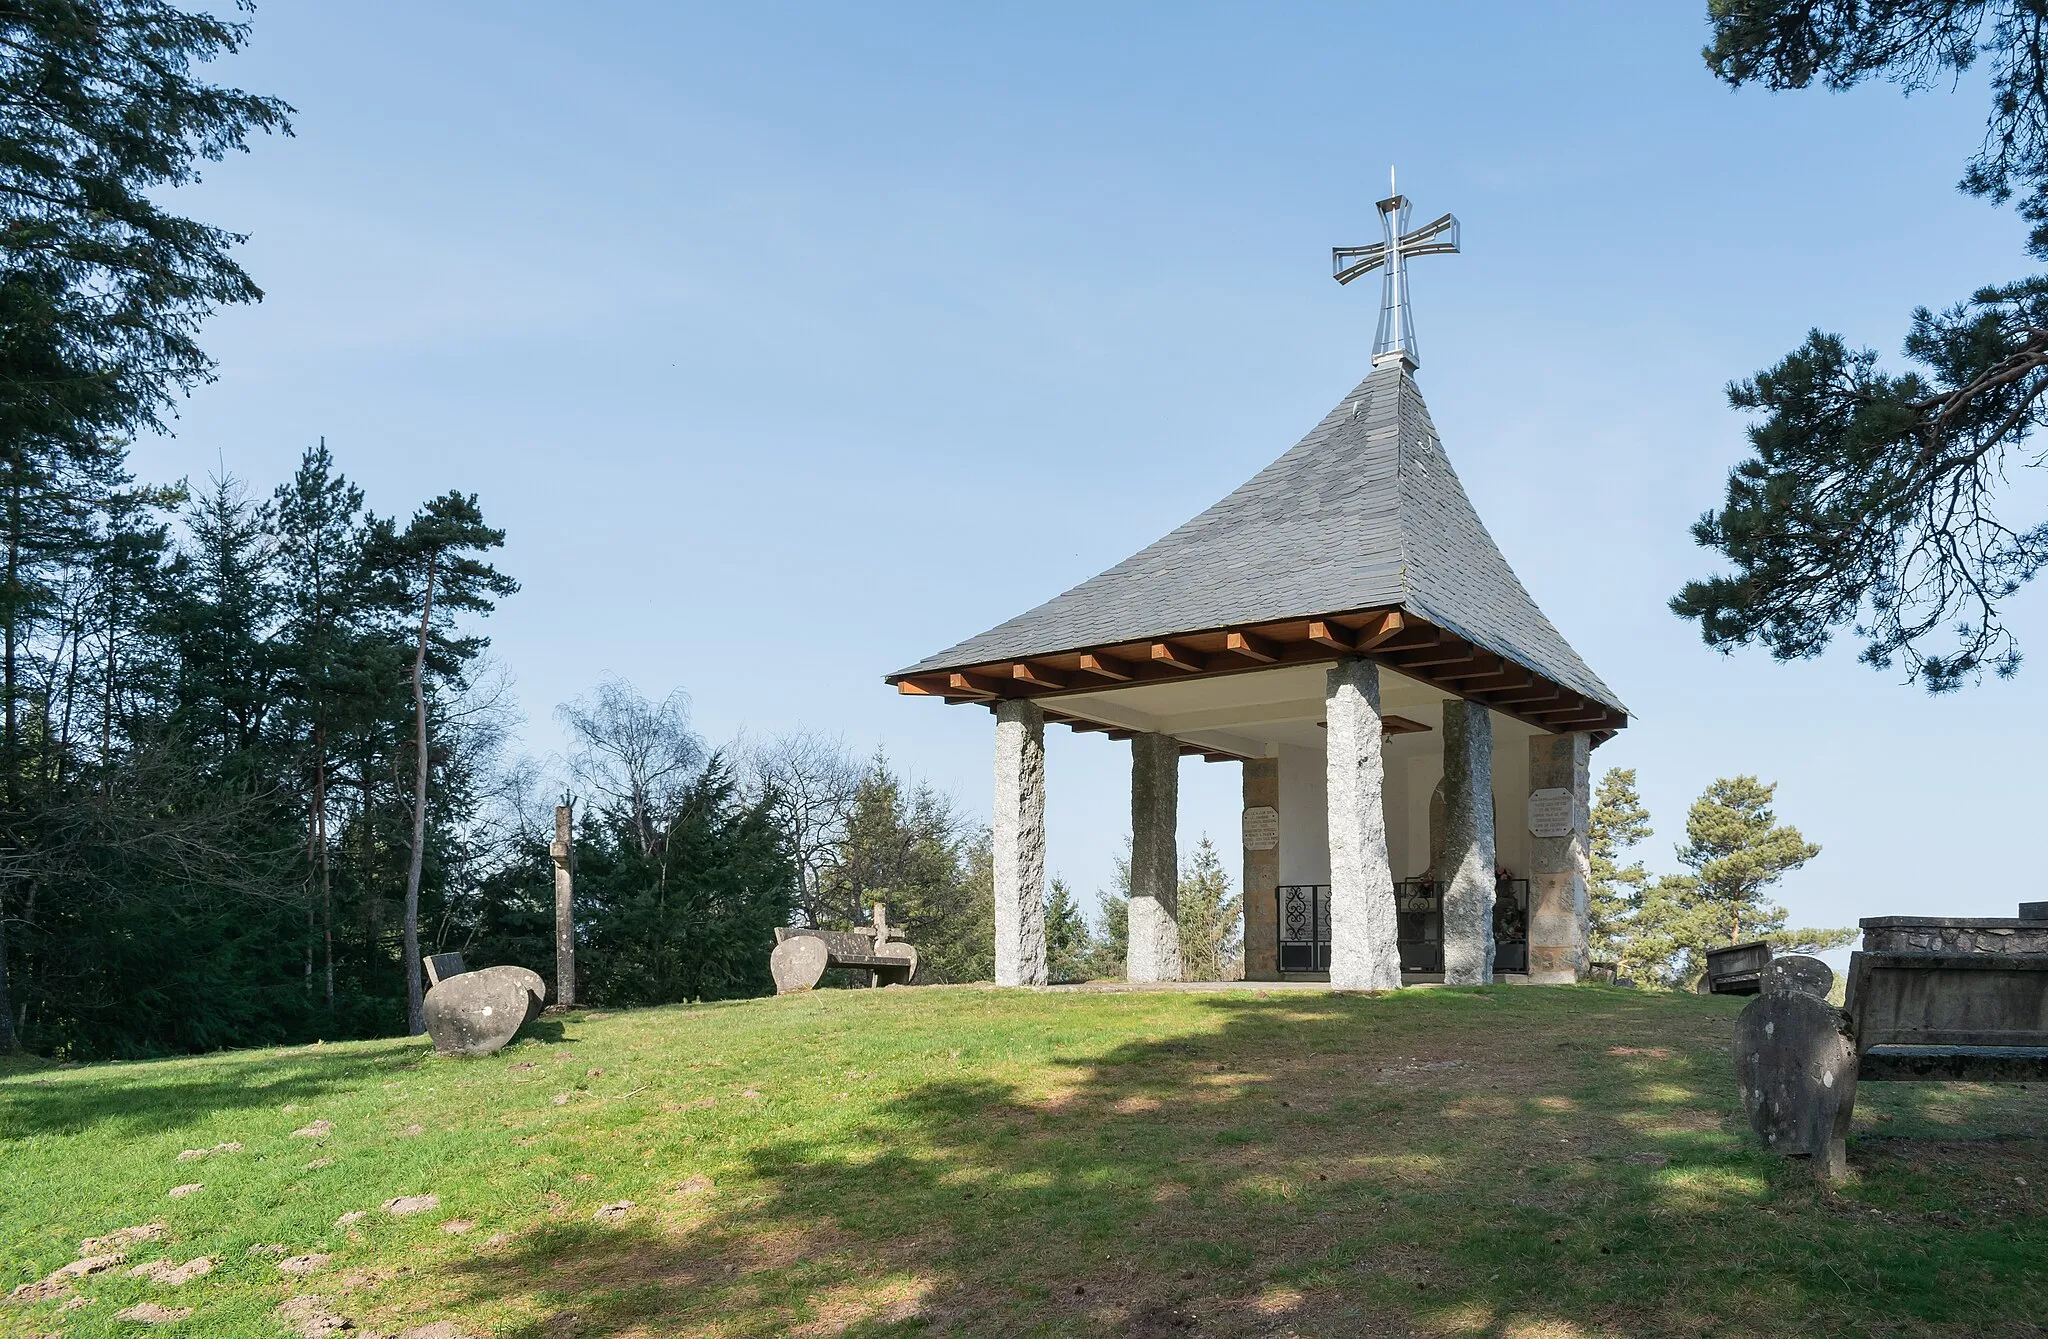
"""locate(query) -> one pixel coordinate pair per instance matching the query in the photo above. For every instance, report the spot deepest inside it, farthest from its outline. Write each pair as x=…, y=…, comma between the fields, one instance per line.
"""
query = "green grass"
x=1513, y=1162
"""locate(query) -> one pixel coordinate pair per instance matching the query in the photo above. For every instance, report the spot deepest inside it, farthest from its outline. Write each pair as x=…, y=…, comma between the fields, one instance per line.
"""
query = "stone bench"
x=802, y=955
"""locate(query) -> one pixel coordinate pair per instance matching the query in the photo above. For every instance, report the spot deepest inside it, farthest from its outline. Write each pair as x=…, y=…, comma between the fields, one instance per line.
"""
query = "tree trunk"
x=319, y=826
x=9, y=1043
x=416, y=1016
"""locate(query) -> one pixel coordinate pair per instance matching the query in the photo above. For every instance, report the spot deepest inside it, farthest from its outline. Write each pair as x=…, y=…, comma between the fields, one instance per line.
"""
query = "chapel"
x=1414, y=733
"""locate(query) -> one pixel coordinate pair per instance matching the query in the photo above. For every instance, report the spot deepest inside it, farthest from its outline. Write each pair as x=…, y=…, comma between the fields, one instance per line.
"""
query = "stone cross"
x=1395, y=341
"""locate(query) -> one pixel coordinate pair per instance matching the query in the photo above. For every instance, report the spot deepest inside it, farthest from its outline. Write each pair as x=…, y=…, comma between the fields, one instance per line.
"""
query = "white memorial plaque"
x=1551, y=813
x=1262, y=828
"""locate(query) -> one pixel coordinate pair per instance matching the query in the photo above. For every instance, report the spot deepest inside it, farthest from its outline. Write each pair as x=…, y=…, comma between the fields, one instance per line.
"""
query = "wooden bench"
x=802, y=955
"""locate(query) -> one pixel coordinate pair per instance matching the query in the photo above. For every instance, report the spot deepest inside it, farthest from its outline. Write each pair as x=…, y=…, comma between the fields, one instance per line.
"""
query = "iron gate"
x=1304, y=927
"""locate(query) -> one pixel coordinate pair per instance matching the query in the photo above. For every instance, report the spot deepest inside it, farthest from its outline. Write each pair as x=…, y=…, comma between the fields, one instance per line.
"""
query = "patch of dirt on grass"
x=848, y=1305
x=120, y=1239
x=149, y=1313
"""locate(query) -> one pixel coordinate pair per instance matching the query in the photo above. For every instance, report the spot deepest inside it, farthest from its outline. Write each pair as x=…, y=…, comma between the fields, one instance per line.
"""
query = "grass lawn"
x=1512, y=1161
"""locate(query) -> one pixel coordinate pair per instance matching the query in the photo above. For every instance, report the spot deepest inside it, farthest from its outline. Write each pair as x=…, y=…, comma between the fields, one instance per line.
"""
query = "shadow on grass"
x=155, y=1096
x=1570, y=1159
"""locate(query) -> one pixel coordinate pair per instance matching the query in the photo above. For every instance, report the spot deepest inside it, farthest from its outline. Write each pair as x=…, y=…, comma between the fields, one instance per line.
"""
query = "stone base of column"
x=1261, y=869
x=1153, y=952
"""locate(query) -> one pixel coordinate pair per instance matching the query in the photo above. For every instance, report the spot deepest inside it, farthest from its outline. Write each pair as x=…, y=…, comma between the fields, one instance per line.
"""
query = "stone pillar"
x=1261, y=869
x=1363, y=952
x=1018, y=838
x=1153, y=952
x=1561, y=870
x=1466, y=871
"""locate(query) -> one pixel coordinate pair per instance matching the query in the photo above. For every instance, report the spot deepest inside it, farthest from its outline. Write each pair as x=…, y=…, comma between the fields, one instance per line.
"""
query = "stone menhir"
x=1795, y=1062
x=480, y=1012
x=1344, y=627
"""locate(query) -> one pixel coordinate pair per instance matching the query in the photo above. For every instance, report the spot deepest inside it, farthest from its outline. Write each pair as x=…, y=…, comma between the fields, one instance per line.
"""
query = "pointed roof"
x=1363, y=513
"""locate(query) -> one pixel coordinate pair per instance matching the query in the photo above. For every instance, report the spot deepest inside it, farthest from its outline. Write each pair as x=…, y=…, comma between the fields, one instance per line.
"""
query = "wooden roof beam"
x=1333, y=635
x=1107, y=667
x=1179, y=657
x=1444, y=655
x=1509, y=675
x=1484, y=667
x=976, y=686
x=1251, y=646
x=912, y=688
x=1037, y=676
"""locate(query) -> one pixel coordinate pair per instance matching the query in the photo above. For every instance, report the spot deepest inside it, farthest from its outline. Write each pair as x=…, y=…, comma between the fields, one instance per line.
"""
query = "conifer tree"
x=1069, y=945
x=1876, y=500
x=1211, y=926
x=1736, y=850
x=1620, y=822
x=434, y=567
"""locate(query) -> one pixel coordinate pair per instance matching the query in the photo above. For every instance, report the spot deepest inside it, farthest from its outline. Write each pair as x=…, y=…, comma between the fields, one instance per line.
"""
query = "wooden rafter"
x=1251, y=646
x=1398, y=641
x=1179, y=657
x=1038, y=676
x=1107, y=667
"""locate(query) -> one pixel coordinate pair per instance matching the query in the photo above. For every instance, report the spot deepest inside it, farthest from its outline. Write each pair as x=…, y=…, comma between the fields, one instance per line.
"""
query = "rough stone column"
x=1018, y=837
x=1561, y=873
x=1154, y=949
x=1468, y=860
x=1261, y=869
x=1363, y=954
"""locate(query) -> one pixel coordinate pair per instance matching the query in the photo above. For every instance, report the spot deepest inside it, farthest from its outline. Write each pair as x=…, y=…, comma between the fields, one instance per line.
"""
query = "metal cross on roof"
x=1396, y=338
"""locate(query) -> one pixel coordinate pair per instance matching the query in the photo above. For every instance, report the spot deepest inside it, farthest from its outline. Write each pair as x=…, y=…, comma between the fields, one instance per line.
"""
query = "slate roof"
x=1365, y=512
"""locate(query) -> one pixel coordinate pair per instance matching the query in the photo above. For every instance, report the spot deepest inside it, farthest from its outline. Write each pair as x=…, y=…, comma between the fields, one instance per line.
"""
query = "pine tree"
x=1737, y=849
x=1069, y=946
x=1211, y=923
x=1871, y=500
x=434, y=565
x=1619, y=822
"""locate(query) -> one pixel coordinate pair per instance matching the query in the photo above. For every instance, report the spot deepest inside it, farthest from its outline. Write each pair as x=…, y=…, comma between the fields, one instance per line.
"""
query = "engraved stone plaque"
x=1551, y=813
x=1261, y=828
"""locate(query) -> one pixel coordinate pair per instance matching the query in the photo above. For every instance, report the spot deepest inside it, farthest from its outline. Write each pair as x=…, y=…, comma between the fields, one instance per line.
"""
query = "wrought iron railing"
x=1304, y=910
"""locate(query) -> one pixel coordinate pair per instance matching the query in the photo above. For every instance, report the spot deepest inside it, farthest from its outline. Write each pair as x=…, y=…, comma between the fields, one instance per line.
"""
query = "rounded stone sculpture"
x=478, y=1012
x=535, y=987
x=1796, y=1066
x=798, y=963
x=1798, y=974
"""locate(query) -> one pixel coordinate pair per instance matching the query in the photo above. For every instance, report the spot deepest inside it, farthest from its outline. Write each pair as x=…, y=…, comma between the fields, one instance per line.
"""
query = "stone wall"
x=1953, y=934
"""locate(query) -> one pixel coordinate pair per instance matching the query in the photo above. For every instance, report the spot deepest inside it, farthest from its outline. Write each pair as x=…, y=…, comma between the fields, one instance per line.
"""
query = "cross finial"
x=1395, y=341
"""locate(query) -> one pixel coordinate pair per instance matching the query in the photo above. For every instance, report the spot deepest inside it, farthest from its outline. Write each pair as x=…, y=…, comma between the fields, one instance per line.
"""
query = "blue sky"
x=793, y=343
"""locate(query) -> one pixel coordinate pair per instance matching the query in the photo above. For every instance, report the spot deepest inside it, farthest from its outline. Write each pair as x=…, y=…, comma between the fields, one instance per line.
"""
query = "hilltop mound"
x=1511, y=1161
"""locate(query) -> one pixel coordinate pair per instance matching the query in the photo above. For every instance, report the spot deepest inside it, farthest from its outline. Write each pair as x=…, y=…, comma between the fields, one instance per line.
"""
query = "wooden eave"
x=1393, y=638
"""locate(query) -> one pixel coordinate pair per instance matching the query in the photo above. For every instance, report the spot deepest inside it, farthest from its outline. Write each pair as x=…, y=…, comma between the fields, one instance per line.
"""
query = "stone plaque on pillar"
x=1553, y=812
x=1262, y=828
